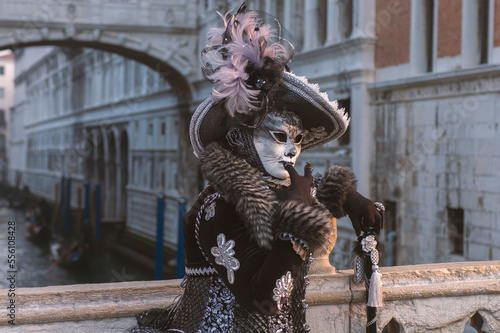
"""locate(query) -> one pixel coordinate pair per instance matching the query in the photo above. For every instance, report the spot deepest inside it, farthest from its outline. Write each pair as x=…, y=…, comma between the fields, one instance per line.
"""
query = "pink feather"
x=229, y=73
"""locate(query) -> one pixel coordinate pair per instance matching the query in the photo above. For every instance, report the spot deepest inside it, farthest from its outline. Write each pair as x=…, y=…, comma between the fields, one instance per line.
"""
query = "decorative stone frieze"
x=477, y=81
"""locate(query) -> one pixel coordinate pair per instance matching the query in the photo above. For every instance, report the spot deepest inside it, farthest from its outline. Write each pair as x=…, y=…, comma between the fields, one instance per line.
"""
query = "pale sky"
x=3, y=52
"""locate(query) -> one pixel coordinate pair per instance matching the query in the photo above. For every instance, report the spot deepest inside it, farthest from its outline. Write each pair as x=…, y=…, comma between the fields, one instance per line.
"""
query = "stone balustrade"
x=419, y=298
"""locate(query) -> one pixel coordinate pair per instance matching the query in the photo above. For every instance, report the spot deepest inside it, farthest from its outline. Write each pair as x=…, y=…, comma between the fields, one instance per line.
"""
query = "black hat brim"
x=320, y=116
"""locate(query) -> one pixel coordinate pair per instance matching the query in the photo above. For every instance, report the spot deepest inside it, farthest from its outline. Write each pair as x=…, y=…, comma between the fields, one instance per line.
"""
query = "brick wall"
x=392, y=27
x=496, y=37
x=449, y=28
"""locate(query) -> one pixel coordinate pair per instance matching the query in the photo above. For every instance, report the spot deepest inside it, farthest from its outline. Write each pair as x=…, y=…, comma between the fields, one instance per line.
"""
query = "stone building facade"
x=435, y=106
x=95, y=116
x=6, y=102
x=419, y=79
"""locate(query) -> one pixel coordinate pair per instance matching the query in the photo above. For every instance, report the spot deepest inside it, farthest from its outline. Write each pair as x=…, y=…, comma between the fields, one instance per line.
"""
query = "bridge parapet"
x=160, y=34
x=133, y=13
x=421, y=298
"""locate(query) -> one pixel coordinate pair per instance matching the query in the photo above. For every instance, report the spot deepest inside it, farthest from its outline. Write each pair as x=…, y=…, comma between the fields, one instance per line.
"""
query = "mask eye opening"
x=298, y=138
x=279, y=136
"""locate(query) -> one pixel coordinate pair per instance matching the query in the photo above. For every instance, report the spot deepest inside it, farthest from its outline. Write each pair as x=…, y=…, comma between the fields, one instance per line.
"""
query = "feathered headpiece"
x=246, y=61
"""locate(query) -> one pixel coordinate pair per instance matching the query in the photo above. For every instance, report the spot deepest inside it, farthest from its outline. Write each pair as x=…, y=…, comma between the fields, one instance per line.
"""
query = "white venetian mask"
x=278, y=142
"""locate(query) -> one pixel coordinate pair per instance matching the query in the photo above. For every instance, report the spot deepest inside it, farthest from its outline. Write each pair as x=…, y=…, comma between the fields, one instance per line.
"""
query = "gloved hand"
x=300, y=187
x=363, y=213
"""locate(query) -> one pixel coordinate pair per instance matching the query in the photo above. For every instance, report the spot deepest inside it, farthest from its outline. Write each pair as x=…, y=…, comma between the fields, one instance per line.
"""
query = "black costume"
x=241, y=243
x=249, y=237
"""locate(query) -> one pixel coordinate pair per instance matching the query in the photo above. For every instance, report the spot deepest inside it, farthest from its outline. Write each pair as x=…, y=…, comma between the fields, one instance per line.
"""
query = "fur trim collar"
x=244, y=187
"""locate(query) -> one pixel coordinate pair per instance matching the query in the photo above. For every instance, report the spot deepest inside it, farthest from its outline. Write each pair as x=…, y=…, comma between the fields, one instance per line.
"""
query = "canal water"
x=34, y=263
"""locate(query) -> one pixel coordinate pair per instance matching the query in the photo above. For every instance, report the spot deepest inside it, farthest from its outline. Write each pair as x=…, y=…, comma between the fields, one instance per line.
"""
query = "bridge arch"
x=162, y=35
x=174, y=69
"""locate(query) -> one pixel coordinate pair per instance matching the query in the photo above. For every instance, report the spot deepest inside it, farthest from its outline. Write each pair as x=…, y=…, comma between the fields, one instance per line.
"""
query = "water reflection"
x=34, y=260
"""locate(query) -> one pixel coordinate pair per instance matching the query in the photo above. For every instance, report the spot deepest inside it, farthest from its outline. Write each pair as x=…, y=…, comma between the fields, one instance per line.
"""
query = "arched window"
x=392, y=327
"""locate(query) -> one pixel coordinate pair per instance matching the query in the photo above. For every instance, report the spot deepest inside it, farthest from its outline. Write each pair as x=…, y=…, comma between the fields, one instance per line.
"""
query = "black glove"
x=300, y=187
x=363, y=213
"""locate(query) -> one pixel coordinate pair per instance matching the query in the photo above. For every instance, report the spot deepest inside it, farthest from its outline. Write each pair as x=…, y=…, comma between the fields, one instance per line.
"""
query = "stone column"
x=418, y=52
x=310, y=24
x=131, y=147
x=95, y=152
x=118, y=188
x=289, y=8
x=333, y=21
x=361, y=135
x=143, y=8
x=271, y=7
x=122, y=92
x=471, y=45
x=105, y=183
x=363, y=20
x=96, y=11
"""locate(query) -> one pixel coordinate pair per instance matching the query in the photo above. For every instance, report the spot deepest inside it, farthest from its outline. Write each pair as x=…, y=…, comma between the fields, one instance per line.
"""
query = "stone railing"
x=421, y=298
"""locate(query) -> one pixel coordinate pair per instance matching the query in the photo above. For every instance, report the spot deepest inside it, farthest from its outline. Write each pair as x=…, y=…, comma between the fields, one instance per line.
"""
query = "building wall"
x=93, y=116
x=18, y=117
x=6, y=102
x=436, y=133
x=436, y=153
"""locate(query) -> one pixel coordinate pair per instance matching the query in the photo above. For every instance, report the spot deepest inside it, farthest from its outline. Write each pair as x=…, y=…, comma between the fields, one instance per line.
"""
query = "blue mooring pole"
x=97, y=211
x=61, y=203
x=68, y=204
x=180, y=239
x=86, y=208
x=159, y=235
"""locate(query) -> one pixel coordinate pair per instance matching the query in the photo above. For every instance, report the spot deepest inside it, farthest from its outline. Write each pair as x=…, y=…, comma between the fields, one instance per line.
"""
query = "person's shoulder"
x=217, y=213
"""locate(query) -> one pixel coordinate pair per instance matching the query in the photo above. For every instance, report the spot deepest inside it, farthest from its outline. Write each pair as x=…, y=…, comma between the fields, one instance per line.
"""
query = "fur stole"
x=264, y=216
x=333, y=188
x=242, y=186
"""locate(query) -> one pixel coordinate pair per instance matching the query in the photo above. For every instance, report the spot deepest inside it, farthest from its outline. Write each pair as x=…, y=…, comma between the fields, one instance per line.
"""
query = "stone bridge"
x=437, y=298
x=159, y=33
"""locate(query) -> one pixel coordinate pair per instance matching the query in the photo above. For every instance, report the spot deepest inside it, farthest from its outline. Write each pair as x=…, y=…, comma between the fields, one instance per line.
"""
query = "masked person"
x=251, y=235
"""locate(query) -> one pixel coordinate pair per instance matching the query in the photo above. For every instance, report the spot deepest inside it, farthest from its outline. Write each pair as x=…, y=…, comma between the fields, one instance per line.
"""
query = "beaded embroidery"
x=210, y=211
x=219, y=315
x=283, y=290
x=224, y=255
x=282, y=322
